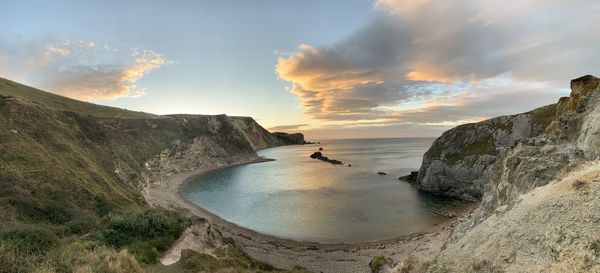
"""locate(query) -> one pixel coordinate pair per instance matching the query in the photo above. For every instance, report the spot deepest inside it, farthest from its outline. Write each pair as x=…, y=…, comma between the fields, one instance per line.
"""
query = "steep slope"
x=458, y=162
x=65, y=164
x=538, y=210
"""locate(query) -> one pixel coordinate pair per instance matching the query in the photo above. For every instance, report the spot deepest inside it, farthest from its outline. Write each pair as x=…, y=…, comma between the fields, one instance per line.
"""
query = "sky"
x=329, y=69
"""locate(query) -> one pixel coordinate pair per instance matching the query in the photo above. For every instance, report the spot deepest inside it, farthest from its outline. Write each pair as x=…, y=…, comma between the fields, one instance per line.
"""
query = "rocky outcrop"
x=538, y=212
x=458, y=162
x=289, y=139
x=217, y=141
x=517, y=152
x=411, y=177
x=320, y=156
x=570, y=139
x=260, y=138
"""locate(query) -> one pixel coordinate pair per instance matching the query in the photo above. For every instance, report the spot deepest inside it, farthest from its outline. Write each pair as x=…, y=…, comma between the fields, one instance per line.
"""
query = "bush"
x=101, y=206
x=485, y=267
x=53, y=212
x=378, y=262
x=29, y=240
x=79, y=226
x=145, y=233
x=594, y=246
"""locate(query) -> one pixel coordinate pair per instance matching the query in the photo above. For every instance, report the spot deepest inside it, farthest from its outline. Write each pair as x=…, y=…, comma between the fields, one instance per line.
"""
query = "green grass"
x=70, y=174
x=29, y=239
x=146, y=233
x=478, y=147
x=60, y=103
x=544, y=115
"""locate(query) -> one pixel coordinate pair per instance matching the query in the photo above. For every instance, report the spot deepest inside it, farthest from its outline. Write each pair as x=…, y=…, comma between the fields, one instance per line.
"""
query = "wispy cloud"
x=285, y=128
x=78, y=68
x=446, y=62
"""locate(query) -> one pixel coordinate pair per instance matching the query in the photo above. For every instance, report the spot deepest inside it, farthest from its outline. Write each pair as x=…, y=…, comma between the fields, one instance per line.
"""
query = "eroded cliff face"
x=222, y=141
x=458, y=164
x=260, y=138
x=538, y=210
x=570, y=138
x=82, y=152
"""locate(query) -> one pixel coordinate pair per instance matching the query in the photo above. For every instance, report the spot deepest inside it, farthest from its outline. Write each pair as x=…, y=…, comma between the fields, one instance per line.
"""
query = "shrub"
x=53, y=212
x=378, y=262
x=145, y=233
x=580, y=185
x=485, y=267
x=79, y=226
x=594, y=246
x=101, y=206
x=29, y=240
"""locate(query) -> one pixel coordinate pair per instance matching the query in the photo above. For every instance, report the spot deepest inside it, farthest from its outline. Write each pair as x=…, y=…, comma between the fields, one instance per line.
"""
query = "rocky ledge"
x=290, y=139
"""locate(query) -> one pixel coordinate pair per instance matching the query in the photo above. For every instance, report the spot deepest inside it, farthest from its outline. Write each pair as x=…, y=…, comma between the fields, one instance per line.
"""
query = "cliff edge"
x=536, y=175
x=68, y=168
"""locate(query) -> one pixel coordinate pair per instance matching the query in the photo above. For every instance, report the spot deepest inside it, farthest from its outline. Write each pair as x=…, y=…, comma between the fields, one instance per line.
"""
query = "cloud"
x=287, y=127
x=446, y=62
x=77, y=68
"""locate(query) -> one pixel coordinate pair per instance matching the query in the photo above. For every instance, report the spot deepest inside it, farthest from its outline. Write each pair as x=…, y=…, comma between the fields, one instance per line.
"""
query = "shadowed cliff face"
x=539, y=205
x=460, y=163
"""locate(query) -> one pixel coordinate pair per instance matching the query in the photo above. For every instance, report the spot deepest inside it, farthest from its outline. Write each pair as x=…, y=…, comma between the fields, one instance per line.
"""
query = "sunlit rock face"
x=458, y=163
x=535, y=145
x=539, y=200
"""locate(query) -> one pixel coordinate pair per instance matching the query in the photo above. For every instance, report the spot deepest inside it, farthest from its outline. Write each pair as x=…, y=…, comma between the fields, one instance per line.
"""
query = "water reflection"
x=304, y=199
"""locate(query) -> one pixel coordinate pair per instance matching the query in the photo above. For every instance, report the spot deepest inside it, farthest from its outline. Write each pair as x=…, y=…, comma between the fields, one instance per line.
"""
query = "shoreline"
x=286, y=253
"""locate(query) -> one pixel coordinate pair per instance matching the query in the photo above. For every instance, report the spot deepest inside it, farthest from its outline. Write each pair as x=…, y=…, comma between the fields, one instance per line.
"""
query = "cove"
x=296, y=197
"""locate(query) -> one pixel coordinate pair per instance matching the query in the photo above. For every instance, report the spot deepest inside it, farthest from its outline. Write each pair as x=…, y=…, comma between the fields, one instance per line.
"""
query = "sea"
x=300, y=198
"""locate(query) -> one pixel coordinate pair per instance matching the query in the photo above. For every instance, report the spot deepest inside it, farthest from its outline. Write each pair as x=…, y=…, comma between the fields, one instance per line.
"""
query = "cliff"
x=537, y=188
x=458, y=163
x=66, y=163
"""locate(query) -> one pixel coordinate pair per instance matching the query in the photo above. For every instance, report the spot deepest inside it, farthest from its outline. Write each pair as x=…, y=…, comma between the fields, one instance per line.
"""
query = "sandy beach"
x=284, y=253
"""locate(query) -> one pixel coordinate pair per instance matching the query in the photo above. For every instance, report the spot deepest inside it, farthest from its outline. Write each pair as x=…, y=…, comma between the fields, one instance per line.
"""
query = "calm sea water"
x=300, y=198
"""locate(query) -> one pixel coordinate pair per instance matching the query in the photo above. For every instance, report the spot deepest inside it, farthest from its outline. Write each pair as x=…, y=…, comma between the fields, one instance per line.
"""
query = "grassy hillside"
x=70, y=197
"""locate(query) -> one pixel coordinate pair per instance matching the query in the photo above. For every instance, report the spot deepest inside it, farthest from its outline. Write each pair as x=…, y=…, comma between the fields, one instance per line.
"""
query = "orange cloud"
x=333, y=73
x=77, y=68
x=107, y=83
x=427, y=76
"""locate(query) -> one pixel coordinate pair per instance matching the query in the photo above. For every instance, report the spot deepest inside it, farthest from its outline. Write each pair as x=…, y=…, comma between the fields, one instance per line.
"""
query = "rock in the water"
x=412, y=177
x=320, y=156
x=381, y=173
x=320, y=148
x=349, y=165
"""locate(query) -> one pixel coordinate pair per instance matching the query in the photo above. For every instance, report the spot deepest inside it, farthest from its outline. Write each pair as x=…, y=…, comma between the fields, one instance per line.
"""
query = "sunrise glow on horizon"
x=328, y=69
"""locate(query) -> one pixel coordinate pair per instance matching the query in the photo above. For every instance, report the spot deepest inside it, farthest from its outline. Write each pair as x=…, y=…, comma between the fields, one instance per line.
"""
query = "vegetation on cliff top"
x=70, y=173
